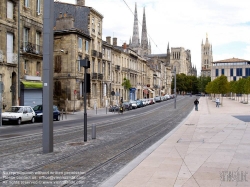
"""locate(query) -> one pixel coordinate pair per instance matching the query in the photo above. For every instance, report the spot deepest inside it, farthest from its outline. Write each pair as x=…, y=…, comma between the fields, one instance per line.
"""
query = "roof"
x=79, y=13
x=231, y=60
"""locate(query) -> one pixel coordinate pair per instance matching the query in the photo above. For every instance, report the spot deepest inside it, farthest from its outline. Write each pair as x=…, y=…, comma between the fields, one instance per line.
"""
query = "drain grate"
x=76, y=143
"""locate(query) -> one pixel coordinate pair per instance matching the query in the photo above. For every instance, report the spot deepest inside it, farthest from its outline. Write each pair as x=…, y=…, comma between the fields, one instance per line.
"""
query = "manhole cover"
x=189, y=124
x=9, y=135
x=76, y=143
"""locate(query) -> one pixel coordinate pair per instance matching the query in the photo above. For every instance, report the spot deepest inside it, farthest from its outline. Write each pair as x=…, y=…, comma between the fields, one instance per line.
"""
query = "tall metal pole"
x=18, y=55
x=85, y=103
x=48, y=38
x=175, y=88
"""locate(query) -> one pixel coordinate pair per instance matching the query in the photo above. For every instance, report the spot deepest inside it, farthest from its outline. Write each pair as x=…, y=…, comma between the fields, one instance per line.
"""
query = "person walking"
x=217, y=101
x=196, y=102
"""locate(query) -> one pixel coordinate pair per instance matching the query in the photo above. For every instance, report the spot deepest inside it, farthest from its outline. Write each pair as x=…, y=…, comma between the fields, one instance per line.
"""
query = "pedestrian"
x=196, y=102
x=217, y=101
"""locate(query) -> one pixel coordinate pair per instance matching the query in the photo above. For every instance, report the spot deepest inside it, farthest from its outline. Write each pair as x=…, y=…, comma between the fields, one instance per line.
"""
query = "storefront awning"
x=32, y=84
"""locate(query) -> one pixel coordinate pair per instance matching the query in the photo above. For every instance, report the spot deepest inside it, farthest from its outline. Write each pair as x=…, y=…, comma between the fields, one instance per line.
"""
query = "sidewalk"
x=90, y=113
x=209, y=148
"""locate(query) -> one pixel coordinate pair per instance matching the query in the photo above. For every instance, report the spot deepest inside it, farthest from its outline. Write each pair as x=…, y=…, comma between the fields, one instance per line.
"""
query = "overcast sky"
x=182, y=23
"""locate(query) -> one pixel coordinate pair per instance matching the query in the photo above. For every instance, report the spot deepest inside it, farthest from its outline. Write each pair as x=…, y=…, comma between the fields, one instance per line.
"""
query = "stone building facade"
x=23, y=66
x=206, y=58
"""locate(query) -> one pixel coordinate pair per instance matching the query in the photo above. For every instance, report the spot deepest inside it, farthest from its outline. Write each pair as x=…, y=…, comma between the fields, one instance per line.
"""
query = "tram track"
x=145, y=134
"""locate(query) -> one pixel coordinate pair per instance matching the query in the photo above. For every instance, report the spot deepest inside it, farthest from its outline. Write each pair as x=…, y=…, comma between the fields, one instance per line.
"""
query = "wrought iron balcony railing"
x=32, y=48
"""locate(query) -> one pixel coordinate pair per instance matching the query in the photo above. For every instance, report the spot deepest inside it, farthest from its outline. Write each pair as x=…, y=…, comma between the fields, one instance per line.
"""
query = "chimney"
x=80, y=2
x=108, y=39
x=124, y=46
x=114, y=41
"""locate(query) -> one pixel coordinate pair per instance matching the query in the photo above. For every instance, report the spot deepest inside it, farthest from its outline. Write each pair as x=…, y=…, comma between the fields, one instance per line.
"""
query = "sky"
x=182, y=23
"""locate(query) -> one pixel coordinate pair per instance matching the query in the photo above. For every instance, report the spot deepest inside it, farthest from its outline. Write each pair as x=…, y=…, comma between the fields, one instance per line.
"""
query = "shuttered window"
x=10, y=47
x=10, y=10
x=57, y=88
x=58, y=64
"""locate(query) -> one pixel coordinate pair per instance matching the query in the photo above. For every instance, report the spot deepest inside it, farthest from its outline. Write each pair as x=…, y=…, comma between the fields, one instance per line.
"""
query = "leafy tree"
x=202, y=83
x=126, y=84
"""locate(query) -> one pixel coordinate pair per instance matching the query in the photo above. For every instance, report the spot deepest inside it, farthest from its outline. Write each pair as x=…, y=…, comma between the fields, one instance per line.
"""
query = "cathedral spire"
x=144, y=38
x=135, y=38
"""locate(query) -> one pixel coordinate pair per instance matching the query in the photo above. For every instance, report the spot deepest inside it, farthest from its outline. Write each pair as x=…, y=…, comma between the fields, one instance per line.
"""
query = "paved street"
x=118, y=142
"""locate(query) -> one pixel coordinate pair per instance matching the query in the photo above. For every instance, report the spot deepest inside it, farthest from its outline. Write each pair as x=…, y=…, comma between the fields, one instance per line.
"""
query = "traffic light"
x=88, y=83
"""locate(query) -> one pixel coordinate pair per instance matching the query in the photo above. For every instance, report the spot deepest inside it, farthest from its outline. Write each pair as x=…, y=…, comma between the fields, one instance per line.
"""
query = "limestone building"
x=206, y=58
x=21, y=54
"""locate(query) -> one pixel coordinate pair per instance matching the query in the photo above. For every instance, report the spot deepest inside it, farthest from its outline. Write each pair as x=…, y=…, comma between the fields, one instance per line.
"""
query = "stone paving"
x=210, y=148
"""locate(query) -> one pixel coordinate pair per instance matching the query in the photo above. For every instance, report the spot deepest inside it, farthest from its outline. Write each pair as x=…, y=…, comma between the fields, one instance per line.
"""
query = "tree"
x=126, y=84
x=202, y=83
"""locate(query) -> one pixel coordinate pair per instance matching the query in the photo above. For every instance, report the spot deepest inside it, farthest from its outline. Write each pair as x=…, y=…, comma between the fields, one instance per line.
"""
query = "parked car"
x=39, y=113
x=151, y=101
x=19, y=114
x=167, y=96
x=134, y=105
x=139, y=103
x=157, y=99
x=127, y=106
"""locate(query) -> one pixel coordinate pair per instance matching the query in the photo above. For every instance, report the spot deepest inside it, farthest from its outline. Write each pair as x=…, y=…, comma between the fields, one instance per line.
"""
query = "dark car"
x=127, y=106
x=39, y=113
x=139, y=104
x=114, y=108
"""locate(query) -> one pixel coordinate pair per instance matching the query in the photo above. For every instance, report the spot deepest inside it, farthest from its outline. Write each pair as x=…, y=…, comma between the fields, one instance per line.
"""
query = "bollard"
x=106, y=110
x=65, y=114
x=93, y=131
x=62, y=114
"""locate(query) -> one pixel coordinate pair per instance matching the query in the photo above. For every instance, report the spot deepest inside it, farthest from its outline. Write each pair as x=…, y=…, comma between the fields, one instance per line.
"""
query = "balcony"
x=97, y=76
x=94, y=53
x=156, y=86
x=31, y=48
x=117, y=67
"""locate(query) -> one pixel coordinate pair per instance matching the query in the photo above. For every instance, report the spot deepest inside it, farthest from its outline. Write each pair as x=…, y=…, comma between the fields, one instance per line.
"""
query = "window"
x=222, y=71
x=26, y=3
x=79, y=44
x=99, y=67
x=109, y=69
x=79, y=67
x=38, y=37
x=234, y=78
x=10, y=9
x=38, y=68
x=10, y=44
x=247, y=72
x=103, y=52
x=58, y=64
x=93, y=65
x=94, y=89
x=238, y=71
x=216, y=72
x=57, y=89
x=87, y=47
x=231, y=72
x=99, y=27
x=38, y=7
x=25, y=37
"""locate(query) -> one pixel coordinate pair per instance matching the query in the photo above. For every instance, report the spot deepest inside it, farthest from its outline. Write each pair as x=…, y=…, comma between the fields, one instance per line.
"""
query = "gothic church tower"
x=143, y=48
x=206, y=58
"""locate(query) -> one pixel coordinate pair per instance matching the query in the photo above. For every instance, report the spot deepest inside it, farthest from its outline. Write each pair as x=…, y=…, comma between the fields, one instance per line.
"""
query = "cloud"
x=182, y=23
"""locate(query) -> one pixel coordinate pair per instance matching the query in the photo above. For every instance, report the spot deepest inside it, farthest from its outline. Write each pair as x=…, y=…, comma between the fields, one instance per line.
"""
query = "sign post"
x=1, y=101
